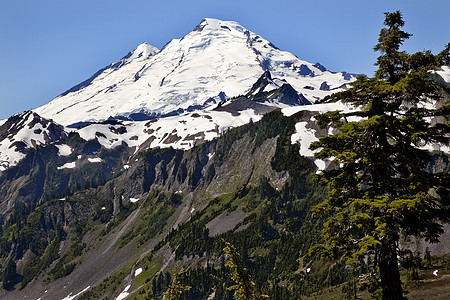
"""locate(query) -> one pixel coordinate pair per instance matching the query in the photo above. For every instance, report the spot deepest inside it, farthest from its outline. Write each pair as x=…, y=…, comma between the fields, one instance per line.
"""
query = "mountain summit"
x=217, y=59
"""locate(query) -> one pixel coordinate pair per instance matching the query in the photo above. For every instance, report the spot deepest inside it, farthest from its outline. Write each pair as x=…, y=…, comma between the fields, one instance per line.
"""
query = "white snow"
x=180, y=132
x=64, y=150
x=436, y=147
x=444, y=72
x=126, y=167
x=95, y=160
x=435, y=272
x=137, y=272
x=270, y=87
x=124, y=294
x=321, y=165
x=134, y=200
x=28, y=132
x=320, y=108
x=69, y=165
x=70, y=297
x=304, y=135
x=218, y=57
x=9, y=156
x=222, y=57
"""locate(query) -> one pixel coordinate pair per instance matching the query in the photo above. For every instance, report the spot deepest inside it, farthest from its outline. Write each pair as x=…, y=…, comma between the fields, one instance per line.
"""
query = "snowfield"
x=218, y=59
x=179, y=132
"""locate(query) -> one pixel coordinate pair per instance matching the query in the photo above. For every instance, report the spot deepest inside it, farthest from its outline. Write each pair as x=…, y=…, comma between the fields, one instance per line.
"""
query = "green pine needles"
x=380, y=188
x=176, y=289
x=244, y=289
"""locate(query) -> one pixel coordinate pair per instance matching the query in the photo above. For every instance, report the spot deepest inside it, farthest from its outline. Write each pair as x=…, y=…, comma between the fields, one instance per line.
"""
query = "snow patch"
x=95, y=160
x=137, y=272
x=70, y=297
x=320, y=108
x=304, y=137
x=29, y=133
x=321, y=165
x=134, y=200
x=444, y=72
x=124, y=294
x=64, y=150
x=69, y=165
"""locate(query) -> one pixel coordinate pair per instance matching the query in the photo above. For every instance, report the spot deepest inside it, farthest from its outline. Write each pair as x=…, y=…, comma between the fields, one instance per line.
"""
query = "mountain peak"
x=218, y=57
x=144, y=50
x=210, y=24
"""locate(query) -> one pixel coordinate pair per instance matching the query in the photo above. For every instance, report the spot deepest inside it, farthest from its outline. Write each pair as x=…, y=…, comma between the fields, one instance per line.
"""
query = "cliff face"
x=92, y=226
x=106, y=201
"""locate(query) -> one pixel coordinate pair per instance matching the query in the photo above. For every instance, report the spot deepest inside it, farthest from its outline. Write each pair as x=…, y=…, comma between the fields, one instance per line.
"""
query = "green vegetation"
x=244, y=286
x=379, y=193
x=109, y=286
x=34, y=233
x=272, y=239
x=155, y=211
x=38, y=264
x=380, y=189
x=176, y=289
x=66, y=264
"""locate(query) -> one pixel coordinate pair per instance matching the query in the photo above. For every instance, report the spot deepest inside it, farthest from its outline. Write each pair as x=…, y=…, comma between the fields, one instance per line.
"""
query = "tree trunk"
x=390, y=275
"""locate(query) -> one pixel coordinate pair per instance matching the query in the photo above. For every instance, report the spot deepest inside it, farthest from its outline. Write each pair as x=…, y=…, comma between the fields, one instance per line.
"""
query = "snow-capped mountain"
x=176, y=97
x=26, y=131
x=23, y=132
x=217, y=60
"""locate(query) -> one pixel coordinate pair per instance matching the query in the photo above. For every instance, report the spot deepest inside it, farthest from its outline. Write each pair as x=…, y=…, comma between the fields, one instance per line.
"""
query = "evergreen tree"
x=427, y=258
x=379, y=188
x=244, y=289
x=175, y=289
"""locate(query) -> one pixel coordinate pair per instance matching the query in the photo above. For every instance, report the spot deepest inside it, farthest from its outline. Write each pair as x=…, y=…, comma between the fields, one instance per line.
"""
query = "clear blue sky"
x=48, y=46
